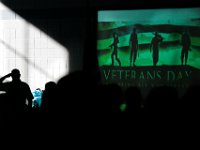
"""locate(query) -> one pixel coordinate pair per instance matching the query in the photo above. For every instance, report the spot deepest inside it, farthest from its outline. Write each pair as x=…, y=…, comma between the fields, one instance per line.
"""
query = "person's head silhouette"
x=15, y=74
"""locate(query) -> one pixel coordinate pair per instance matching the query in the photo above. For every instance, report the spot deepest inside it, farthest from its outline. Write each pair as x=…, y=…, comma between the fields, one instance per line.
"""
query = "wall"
x=39, y=57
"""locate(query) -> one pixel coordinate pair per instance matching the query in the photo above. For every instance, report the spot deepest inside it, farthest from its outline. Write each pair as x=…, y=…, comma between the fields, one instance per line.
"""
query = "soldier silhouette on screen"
x=186, y=42
x=134, y=47
x=155, y=46
x=115, y=50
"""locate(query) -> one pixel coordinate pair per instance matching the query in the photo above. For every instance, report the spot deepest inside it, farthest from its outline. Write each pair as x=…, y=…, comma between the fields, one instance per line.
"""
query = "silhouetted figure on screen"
x=186, y=42
x=155, y=47
x=134, y=47
x=17, y=91
x=115, y=51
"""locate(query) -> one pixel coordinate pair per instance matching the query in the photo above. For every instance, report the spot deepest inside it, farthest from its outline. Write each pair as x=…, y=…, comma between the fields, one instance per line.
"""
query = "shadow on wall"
x=39, y=57
x=64, y=21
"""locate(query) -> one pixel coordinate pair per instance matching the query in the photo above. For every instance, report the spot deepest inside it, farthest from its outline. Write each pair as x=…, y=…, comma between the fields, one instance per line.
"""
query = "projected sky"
x=169, y=23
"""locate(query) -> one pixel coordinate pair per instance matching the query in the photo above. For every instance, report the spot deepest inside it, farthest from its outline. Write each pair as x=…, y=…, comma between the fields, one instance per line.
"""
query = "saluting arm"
x=4, y=77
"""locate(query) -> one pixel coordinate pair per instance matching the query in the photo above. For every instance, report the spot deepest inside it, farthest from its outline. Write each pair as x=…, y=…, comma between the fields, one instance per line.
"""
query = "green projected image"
x=126, y=37
x=149, y=48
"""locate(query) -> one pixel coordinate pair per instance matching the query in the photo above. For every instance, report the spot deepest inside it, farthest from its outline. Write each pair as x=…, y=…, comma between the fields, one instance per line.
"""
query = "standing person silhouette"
x=115, y=53
x=186, y=43
x=49, y=96
x=134, y=47
x=155, y=46
x=17, y=91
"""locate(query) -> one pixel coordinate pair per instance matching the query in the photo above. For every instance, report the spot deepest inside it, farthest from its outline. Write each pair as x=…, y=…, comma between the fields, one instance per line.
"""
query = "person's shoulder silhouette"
x=17, y=91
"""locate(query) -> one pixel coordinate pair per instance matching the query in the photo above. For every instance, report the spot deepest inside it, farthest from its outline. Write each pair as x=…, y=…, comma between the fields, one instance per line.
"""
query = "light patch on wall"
x=38, y=57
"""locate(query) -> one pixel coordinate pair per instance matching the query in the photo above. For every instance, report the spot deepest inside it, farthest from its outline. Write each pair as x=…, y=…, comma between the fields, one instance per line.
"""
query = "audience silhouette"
x=17, y=92
x=76, y=97
x=17, y=101
x=49, y=97
x=134, y=100
x=189, y=105
x=162, y=103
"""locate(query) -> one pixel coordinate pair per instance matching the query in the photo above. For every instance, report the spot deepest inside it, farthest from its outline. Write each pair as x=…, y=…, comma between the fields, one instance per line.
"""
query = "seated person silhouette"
x=17, y=91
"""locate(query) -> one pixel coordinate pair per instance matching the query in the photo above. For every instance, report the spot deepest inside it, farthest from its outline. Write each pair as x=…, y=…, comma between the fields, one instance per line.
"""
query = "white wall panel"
x=38, y=57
